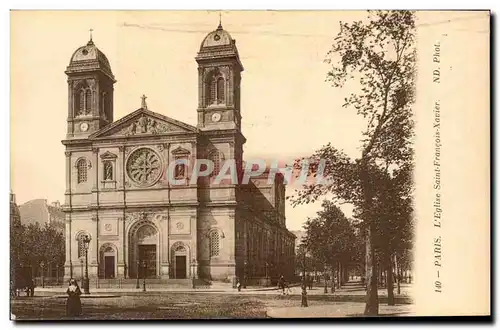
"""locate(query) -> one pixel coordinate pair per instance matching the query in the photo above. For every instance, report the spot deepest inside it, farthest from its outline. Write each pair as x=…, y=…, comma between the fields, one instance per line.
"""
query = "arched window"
x=217, y=158
x=216, y=89
x=213, y=93
x=220, y=91
x=80, y=102
x=81, y=245
x=214, y=243
x=81, y=167
x=88, y=100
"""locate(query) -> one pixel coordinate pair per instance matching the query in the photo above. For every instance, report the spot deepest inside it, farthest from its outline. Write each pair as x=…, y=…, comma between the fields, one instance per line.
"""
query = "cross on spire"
x=90, y=43
x=220, y=21
x=143, y=102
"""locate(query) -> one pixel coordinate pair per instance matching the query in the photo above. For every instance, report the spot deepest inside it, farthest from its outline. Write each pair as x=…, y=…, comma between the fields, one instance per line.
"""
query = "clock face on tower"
x=84, y=127
x=216, y=117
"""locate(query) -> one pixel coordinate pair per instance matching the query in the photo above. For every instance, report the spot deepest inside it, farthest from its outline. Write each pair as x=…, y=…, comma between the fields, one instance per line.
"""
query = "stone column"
x=68, y=265
x=68, y=268
x=122, y=223
x=95, y=255
x=120, y=256
x=164, y=262
x=230, y=243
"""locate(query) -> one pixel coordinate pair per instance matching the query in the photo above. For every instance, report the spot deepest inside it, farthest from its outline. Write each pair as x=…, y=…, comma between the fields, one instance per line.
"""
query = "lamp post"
x=144, y=267
x=42, y=265
x=81, y=270
x=304, y=288
x=138, y=274
x=194, y=273
x=245, y=275
x=86, y=242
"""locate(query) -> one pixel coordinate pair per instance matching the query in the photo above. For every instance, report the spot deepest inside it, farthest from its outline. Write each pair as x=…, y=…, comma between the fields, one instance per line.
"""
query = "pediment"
x=143, y=123
x=108, y=155
x=180, y=151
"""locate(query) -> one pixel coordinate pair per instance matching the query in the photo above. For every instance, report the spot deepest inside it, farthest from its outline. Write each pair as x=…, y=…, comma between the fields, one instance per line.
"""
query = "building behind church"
x=118, y=191
x=41, y=212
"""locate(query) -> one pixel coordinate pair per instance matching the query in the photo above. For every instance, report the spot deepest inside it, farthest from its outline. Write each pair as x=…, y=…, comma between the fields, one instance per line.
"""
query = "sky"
x=288, y=108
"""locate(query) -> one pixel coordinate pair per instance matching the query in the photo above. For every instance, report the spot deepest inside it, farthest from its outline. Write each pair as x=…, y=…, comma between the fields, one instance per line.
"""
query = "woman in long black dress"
x=73, y=305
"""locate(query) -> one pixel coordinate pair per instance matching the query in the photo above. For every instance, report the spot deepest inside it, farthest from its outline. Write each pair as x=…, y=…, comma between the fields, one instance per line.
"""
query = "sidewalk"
x=349, y=289
x=340, y=309
x=162, y=289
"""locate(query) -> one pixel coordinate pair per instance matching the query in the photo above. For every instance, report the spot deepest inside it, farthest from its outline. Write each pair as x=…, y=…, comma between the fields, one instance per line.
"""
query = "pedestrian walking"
x=73, y=304
x=30, y=288
x=281, y=284
x=238, y=285
x=13, y=291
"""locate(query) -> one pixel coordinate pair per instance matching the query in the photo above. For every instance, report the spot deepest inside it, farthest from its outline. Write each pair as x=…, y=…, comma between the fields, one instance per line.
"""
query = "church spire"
x=143, y=102
x=90, y=40
x=220, y=21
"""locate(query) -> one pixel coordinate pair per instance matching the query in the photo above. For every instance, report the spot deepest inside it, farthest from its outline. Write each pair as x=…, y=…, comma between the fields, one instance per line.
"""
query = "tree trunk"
x=380, y=276
x=337, y=271
x=371, y=307
x=398, y=273
x=389, y=280
x=342, y=271
x=332, y=288
x=346, y=273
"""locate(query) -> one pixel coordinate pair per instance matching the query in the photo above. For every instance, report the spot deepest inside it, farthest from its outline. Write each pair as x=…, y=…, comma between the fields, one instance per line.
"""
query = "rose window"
x=144, y=166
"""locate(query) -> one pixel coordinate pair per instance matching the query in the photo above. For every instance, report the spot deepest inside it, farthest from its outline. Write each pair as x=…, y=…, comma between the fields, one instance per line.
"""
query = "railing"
x=49, y=281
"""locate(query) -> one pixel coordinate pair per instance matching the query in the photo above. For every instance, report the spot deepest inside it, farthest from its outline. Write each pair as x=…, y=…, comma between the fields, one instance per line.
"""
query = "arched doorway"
x=180, y=260
x=143, y=250
x=108, y=255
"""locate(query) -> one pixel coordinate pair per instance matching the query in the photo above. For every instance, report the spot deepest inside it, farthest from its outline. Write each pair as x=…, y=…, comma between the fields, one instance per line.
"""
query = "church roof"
x=218, y=44
x=89, y=58
x=218, y=37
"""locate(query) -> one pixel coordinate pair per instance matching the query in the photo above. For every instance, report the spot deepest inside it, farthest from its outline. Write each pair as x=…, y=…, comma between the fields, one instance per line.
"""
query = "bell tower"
x=219, y=78
x=90, y=91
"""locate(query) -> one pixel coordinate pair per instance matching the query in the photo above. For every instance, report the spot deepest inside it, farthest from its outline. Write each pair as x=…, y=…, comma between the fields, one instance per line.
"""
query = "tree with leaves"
x=39, y=244
x=394, y=219
x=330, y=238
x=377, y=55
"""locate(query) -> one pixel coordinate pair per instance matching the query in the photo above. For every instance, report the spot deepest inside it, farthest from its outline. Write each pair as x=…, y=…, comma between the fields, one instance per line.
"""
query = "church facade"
x=119, y=191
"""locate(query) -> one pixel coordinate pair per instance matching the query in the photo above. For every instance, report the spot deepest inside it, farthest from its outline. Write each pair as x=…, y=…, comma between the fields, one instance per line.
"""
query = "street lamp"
x=138, y=274
x=304, y=288
x=42, y=265
x=194, y=273
x=81, y=270
x=144, y=266
x=245, y=264
x=86, y=243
